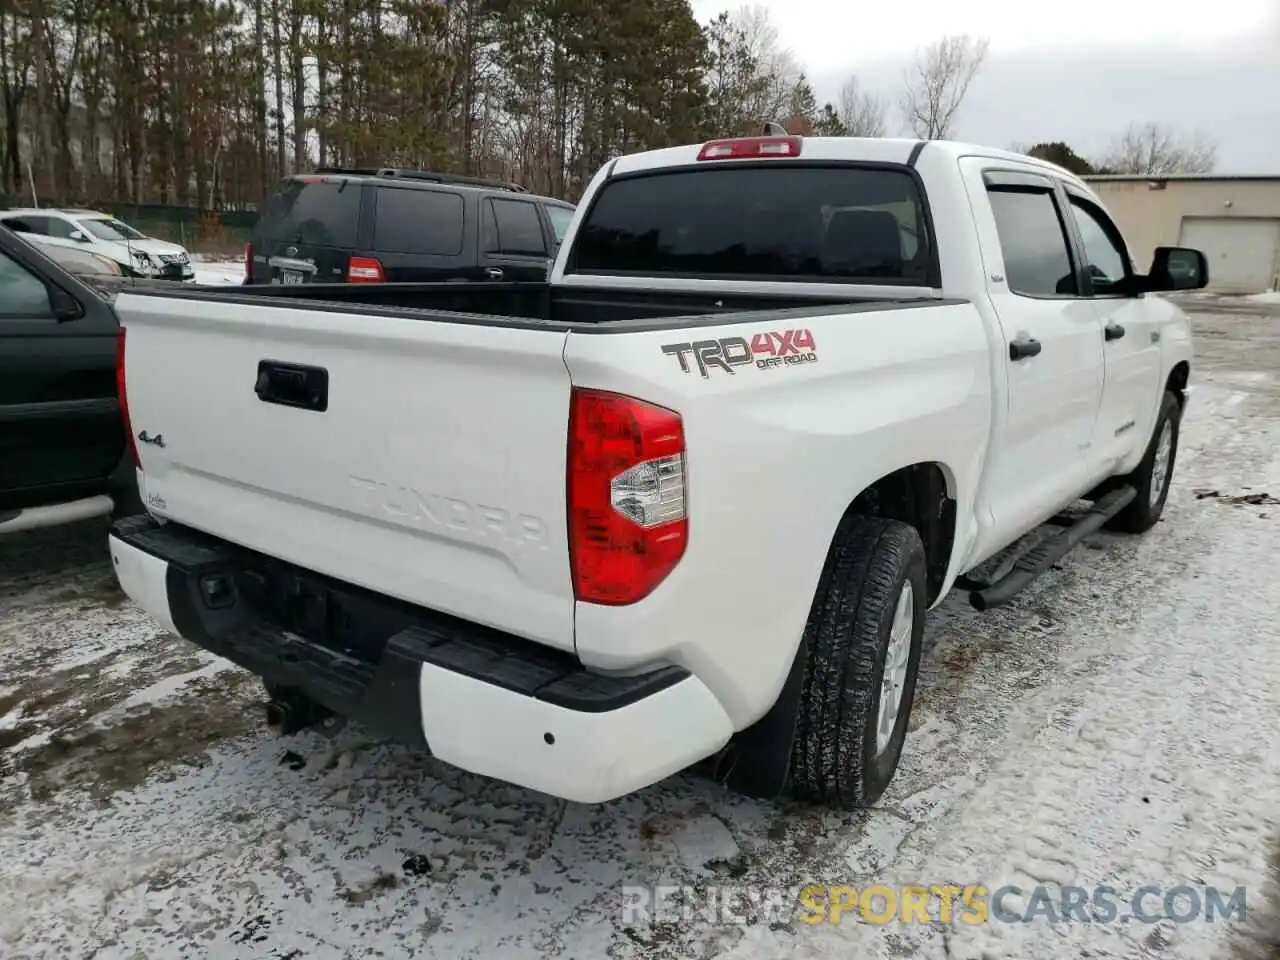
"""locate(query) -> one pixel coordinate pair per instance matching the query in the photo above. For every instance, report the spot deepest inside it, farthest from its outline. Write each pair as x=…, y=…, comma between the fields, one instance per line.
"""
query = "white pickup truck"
x=688, y=501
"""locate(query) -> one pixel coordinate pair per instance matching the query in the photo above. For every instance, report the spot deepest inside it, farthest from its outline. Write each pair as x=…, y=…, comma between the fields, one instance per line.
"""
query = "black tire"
x=834, y=756
x=1142, y=513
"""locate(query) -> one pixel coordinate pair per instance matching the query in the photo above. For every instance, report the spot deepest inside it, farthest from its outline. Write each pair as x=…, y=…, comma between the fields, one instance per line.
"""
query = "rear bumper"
x=480, y=699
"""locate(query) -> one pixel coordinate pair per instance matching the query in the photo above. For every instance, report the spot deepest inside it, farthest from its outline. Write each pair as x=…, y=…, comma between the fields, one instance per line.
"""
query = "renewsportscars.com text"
x=935, y=903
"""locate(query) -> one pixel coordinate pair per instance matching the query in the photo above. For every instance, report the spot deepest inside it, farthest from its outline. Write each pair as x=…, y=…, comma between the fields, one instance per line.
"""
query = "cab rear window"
x=313, y=211
x=833, y=224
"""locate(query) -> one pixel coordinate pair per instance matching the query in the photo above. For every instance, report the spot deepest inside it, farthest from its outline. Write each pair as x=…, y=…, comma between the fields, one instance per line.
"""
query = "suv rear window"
x=834, y=224
x=322, y=213
x=425, y=222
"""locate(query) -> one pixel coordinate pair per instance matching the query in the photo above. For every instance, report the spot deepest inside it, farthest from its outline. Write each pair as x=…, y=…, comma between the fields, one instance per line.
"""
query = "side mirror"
x=65, y=306
x=1177, y=268
x=79, y=236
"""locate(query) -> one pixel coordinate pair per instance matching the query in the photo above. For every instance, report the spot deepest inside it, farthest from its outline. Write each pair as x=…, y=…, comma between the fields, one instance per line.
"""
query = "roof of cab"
x=899, y=150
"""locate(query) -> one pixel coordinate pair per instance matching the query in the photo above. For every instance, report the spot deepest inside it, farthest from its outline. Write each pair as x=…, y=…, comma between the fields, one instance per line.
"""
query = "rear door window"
x=837, y=224
x=560, y=219
x=425, y=222
x=519, y=229
x=1033, y=240
x=62, y=229
x=315, y=211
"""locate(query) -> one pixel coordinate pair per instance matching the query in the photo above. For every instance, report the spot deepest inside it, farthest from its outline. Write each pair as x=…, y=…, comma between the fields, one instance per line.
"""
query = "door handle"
x=494, y=273
x=1021, y=349
x=1113, y=331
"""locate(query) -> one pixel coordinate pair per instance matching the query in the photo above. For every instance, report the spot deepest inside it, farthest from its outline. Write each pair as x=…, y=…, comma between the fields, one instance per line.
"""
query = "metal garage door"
x=1244, y=255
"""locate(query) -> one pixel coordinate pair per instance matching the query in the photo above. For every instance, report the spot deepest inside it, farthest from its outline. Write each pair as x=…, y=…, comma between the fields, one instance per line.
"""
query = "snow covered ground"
x=1118, y=725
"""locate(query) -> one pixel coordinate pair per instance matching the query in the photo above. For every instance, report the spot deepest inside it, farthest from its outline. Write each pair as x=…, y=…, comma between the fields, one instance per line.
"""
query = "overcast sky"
x=1077, y=73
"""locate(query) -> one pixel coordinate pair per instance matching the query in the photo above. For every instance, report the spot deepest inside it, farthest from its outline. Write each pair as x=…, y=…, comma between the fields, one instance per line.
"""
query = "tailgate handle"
x=293, y=385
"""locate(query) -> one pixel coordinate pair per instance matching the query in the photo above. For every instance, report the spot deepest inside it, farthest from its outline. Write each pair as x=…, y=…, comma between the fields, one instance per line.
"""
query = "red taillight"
x=364, y=270
x=248, y=261
x=122, y=395
x=627, y=522
x=751, y=147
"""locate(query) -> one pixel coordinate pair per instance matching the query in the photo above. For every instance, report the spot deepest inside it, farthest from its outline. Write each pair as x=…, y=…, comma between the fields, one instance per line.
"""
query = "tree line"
x=206, y=103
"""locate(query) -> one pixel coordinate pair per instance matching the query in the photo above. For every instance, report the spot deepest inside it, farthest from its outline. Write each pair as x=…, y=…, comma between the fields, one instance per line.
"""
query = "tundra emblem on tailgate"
x=766, y=351
x=470, y=521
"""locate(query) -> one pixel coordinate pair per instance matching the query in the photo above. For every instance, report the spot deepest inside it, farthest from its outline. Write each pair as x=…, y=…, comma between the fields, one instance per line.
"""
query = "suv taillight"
x=626, y=496
x=122, y=395
x=364, y=270
x=248, y=262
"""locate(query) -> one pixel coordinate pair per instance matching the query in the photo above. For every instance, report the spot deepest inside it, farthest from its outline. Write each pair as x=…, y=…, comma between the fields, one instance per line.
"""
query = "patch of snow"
x=1271, y=296
x=216, y=258
x=219, y=273
x=123, y=667
x=33, y=742
x=10, y=719
x=84, y=658
x=168, y=687
x=703, y=842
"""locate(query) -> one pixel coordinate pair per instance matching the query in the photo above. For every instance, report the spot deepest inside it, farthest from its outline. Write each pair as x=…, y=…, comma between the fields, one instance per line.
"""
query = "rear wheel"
x=1151, y=477
x=862, y=645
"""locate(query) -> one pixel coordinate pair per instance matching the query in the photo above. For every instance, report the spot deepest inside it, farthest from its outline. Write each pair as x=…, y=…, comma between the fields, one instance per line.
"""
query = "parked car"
x=688, y=501
x=62, y=439
x=135, y=253
x=373, y=226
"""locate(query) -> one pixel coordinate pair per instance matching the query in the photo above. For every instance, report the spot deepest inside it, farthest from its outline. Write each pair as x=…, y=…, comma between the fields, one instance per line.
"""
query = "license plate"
x=291, y=276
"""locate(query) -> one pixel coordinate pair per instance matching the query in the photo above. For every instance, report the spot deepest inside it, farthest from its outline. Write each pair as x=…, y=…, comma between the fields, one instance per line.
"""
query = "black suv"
x=403, y=226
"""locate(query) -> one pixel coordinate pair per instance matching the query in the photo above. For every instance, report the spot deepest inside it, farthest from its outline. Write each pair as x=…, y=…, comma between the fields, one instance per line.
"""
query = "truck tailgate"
x=421, y=458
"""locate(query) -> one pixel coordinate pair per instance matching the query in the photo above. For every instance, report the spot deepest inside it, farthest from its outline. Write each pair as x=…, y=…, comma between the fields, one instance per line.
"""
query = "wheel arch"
x=922, y=495
x=1177, y=382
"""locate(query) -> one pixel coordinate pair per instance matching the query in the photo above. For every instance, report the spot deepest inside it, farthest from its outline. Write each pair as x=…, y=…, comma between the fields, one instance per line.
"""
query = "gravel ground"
x=1117, y=725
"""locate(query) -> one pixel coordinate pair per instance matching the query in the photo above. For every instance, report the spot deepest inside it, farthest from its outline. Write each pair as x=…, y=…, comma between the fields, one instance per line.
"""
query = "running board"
x=1044, y=555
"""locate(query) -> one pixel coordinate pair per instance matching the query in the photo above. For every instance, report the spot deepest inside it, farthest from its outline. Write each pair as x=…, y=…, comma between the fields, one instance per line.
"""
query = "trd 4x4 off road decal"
x=777, y=348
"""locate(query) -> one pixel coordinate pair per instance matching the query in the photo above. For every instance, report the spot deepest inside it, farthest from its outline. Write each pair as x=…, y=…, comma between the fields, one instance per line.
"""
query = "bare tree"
x=1153, y=149
x=862, y=113
x=776, y=68
x=937, y=81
